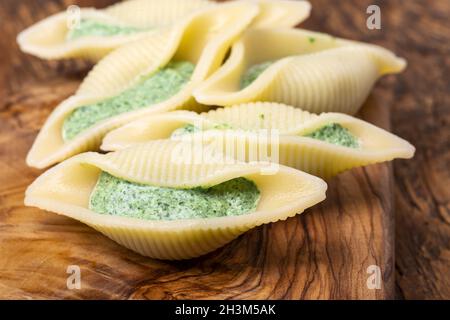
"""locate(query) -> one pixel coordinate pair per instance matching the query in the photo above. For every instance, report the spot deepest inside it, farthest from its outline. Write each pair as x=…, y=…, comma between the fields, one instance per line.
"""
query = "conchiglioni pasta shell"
x=47, y=38
x=292, y=148
x=66, y=188
x=203, y=40
x=311, y=71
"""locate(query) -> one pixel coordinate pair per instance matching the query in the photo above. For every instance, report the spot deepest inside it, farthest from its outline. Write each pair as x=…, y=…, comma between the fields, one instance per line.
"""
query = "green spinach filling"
x=253, y=72
x=190, y=128
x=150, y=90
x=119, y=197
x=90, y=27
x=336, y=134
x=186, y=129
x=332, y=133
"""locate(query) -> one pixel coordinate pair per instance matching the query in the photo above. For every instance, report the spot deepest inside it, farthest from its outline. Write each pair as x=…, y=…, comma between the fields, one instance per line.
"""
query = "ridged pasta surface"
x=119, y=69
x=260, y=116
x=309, y=70
x=170, y=164
x=155, y=13
x=124, y=67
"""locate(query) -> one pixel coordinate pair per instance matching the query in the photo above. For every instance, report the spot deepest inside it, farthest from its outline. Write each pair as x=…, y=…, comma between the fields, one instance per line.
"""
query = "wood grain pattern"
x=323, y=253
x=419, y=101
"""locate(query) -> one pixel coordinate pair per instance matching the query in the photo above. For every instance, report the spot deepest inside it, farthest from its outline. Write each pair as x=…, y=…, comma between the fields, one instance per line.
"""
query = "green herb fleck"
x=189, y=128
x=312, y=39
x=222, y=126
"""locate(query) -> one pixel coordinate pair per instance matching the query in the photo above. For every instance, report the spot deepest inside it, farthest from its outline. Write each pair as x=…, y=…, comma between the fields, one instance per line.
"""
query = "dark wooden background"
x=419, y=105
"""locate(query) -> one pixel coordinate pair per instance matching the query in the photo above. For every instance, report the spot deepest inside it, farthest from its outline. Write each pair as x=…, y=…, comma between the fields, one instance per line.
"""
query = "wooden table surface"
x=321, y=254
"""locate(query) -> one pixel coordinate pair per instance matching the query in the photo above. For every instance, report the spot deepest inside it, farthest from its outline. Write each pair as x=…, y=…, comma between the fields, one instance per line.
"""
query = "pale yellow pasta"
x=66, y=188
x=281, y=13
x=309, y=70
x=48, y=39
x=293, y=148
x=202, y=40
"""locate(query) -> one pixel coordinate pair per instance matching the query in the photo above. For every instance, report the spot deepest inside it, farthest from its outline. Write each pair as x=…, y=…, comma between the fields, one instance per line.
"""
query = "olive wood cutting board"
x=325, y=253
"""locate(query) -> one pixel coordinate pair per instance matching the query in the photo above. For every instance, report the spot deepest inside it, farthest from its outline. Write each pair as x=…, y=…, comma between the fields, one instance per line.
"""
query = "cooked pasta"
x=308, y=70
x=323, y=145
x=155, y=74
x=159, y=170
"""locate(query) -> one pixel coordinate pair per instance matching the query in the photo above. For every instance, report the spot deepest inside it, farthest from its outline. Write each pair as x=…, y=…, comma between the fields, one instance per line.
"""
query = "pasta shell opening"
x=48, y=39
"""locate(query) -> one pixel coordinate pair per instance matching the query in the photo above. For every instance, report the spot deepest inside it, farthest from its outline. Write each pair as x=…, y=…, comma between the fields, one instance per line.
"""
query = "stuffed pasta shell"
x=155, y=74
x=156, y=200
x=323, y=145
x=308, y=70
